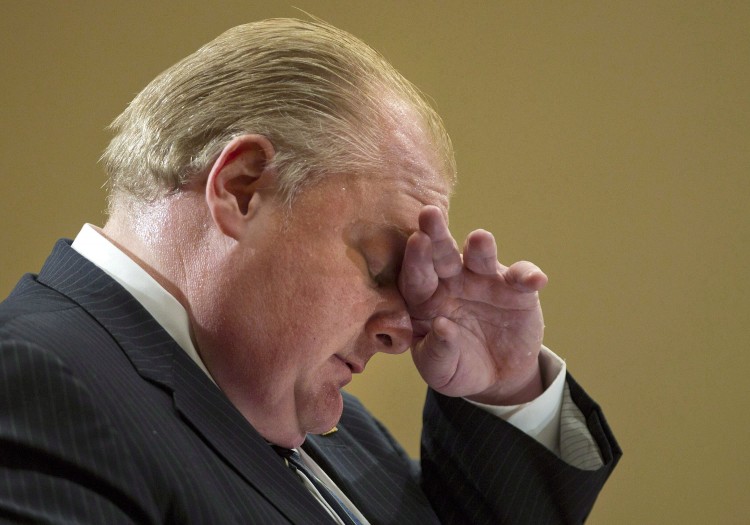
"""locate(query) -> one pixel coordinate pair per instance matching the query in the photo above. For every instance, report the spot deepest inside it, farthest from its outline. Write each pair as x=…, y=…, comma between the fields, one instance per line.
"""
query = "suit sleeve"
x=477, y=468
x=60, y=460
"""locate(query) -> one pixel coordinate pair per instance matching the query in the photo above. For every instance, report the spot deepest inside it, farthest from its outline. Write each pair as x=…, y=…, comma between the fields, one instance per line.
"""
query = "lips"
x=355, y=366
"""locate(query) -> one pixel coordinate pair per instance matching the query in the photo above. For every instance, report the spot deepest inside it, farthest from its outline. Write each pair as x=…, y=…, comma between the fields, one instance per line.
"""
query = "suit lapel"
x=227, y=431
x=158, y=358
x=365, y=464
x=354, y=471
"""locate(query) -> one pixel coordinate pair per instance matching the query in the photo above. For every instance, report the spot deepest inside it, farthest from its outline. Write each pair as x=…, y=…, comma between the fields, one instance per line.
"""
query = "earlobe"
x=239, y=172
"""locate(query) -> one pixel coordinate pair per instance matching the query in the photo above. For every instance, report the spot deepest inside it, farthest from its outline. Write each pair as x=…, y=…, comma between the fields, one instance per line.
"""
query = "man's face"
x=313, y=296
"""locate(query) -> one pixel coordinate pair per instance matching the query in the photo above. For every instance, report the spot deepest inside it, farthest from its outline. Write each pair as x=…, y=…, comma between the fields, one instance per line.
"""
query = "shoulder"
x=41, y=318
x=30, y=297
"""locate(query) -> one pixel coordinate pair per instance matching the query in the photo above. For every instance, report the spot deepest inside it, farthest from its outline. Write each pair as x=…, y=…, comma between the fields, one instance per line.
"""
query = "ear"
x=234, y=180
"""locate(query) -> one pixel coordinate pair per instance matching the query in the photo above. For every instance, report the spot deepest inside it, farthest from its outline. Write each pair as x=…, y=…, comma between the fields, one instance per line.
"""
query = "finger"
x=417, y=280
x=445, y=255
x=525, y=276
x=480, y=253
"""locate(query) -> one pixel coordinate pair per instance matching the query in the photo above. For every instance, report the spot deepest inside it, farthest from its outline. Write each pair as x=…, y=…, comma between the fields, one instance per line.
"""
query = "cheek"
x=331, y=316
x=315, y=302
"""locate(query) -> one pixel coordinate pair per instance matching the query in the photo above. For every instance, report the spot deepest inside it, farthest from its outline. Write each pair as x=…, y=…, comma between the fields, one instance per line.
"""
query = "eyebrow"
x=391, y=230
x=391, y=233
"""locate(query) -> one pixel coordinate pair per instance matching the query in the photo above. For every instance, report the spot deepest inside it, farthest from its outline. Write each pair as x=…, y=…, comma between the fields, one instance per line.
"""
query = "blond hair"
x=316, y=92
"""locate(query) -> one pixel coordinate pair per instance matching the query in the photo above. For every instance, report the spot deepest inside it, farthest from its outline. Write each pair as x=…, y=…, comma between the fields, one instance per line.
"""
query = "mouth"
x=356, y=367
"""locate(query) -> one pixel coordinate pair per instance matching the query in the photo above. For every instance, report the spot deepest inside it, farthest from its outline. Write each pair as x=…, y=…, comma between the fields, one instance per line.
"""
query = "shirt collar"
x=157, y=301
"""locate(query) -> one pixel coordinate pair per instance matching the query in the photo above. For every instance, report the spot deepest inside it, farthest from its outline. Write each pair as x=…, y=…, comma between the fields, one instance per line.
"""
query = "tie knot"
x=286, y=453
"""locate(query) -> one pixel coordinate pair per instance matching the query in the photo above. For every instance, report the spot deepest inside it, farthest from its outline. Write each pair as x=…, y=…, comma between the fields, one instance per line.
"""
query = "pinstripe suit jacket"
x=104, y=419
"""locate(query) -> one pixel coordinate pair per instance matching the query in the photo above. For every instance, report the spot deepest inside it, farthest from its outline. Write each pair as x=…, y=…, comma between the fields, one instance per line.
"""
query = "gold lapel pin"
x=332, y=431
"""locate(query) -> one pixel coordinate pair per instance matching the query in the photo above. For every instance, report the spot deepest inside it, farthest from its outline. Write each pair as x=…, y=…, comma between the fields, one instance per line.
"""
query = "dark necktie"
x=294, y=462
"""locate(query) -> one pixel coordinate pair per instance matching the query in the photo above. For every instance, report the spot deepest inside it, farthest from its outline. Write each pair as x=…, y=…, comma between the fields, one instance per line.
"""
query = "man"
x=278, y=215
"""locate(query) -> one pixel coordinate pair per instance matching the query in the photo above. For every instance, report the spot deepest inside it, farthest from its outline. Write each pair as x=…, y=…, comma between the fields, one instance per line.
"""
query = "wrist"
x=513, y=392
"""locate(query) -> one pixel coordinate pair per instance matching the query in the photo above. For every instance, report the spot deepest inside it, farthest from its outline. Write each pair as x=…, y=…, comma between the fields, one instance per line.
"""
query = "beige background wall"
x=607, y=141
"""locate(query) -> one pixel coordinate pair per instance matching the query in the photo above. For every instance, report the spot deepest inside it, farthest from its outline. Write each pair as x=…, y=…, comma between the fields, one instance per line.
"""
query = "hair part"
x=315, y=91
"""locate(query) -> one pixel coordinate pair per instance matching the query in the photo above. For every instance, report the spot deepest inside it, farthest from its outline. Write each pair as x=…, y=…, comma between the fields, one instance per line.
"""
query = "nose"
x=390, y=331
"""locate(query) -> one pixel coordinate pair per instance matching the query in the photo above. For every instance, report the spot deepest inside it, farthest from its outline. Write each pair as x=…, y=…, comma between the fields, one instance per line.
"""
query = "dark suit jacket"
x=105, y=419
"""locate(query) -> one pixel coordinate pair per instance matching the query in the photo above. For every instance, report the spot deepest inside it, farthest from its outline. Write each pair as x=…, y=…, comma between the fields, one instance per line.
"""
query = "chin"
x=327, y=413
x=294, y=442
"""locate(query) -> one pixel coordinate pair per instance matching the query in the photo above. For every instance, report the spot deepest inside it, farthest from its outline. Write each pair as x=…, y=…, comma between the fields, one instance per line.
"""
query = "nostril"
x=385, y=339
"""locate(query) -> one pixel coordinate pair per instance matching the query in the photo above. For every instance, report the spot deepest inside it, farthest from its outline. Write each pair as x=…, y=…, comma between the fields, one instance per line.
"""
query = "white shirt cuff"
x=540, y=418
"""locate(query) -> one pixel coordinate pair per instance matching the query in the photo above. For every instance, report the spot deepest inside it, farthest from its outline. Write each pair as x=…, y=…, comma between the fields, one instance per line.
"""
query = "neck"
x=153, y=242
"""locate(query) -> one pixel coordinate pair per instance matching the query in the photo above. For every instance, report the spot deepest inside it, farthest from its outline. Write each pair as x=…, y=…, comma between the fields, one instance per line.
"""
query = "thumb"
x=436, y=357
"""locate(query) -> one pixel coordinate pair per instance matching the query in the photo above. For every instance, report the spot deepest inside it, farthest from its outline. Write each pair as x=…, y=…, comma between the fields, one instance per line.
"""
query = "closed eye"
x=385, y=277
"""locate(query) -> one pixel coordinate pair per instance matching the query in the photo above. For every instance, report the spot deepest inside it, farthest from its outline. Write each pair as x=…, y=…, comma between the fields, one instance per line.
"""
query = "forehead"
x=414, y=150
x=388, y=201
x=391, y=198
x=382, y=205
x=410, y=174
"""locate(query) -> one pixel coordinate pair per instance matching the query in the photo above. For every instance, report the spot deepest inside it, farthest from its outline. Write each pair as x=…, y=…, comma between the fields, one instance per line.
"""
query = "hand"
x=477, y=324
